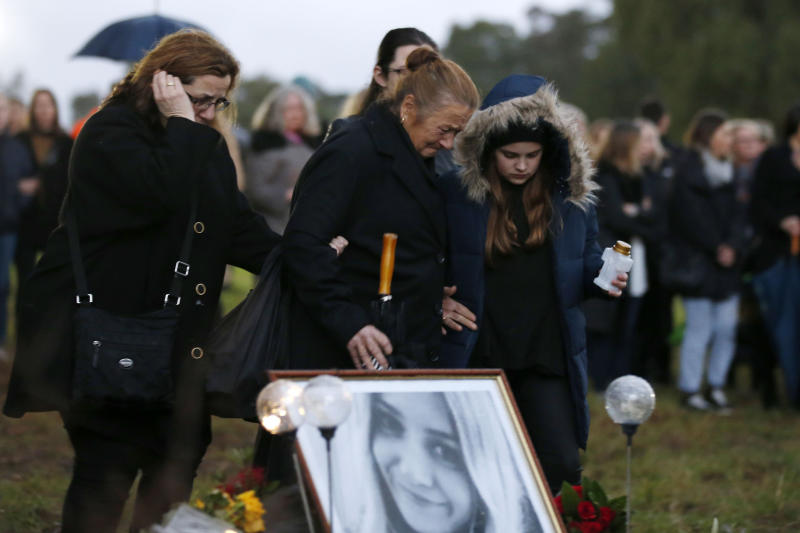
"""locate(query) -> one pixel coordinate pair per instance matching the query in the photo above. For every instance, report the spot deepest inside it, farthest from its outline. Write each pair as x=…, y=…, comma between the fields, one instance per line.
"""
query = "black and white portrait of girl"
x=426, y=462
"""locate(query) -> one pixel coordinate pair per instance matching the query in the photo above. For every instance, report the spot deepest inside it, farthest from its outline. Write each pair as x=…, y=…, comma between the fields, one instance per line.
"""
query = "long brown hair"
x=501, y=233
x=620, y=149
x=186, y=54
x=33, y=124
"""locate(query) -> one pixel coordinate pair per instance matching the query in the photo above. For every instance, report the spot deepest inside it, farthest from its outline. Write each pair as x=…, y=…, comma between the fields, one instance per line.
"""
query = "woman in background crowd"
x=776, y=216
x=15, y=164
x=285, y=132
x=652, y=358
x=598, y=136
x=50, y=146
x=17, y=116
x=708, y=221
x=390, y=65
x=624, y=212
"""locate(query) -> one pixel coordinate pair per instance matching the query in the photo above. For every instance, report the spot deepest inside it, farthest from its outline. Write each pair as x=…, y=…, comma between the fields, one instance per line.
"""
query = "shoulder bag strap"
x=181, y=269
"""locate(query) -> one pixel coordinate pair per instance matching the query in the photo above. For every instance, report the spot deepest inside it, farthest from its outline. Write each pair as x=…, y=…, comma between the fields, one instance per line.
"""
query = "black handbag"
x=251, y=339
x=683, y=268
x=125, y=360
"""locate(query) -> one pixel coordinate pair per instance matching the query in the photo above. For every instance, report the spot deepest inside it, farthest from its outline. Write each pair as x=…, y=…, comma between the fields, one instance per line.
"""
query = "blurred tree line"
x=738, y=55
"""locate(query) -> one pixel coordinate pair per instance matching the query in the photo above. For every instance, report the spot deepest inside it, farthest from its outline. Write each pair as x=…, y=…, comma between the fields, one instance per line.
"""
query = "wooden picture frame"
x=427, y=450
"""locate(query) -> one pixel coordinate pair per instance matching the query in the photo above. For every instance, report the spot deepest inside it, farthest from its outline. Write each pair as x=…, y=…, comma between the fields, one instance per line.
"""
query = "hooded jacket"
x=530, y=101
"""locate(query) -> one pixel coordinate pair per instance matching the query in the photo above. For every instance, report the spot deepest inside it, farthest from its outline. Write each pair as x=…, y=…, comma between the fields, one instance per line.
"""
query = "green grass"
x=688, y=467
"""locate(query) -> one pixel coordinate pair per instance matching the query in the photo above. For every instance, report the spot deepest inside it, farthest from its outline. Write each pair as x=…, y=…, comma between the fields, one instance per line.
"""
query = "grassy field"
x=688, y=468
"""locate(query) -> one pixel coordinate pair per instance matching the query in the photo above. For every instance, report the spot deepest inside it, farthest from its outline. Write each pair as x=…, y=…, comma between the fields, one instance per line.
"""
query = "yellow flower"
x=199, y=504
x=253, y=512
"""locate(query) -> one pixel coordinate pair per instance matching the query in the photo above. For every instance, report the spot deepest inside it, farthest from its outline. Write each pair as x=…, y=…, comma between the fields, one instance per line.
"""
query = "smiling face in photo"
x=420, y=461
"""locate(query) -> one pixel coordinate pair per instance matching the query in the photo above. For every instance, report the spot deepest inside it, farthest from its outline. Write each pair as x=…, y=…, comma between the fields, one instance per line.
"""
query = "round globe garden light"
x=630, y=401
x=328, y=403
x=280, y=408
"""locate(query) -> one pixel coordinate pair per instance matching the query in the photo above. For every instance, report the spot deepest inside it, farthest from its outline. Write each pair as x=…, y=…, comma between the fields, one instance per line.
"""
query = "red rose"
x=579, y=490
x=607, y=515
x=575, y=527
x=559, y=504
x=592, y=527
x=587, y=510
x=258, y=475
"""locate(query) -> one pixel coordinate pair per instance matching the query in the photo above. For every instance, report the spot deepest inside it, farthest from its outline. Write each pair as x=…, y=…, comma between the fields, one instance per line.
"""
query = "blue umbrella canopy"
x=130, y=39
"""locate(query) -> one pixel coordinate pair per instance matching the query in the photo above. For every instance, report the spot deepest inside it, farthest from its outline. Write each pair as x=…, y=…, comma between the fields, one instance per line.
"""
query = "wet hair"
x=393, y=40
x=269, y=114
x=186, y=54
x=791, y=121
x=703, y=126
x=33, y=125
x=434, y=82
x=652, y=109
x=620, y=148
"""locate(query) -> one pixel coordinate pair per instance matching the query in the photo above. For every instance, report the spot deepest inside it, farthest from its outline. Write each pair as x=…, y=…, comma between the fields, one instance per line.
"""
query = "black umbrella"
x=130, y=39
x=387, y=314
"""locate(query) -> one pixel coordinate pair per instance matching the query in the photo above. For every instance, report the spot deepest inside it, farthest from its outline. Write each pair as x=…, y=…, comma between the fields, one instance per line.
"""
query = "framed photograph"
x=427, y=451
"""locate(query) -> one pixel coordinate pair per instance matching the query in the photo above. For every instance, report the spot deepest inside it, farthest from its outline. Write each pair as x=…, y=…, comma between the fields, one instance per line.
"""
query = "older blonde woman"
x=286, y=128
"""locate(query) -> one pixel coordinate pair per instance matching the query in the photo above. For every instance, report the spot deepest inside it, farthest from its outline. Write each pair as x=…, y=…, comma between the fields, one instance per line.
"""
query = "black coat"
x=40, y=216
x=365, y=180
x=776, y=195
x=130, y=190
x=605, y=314
x=703, y=217
x=616, y=190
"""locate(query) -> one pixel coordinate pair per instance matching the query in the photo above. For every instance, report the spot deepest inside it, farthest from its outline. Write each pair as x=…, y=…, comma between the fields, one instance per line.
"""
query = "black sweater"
x=521, y=328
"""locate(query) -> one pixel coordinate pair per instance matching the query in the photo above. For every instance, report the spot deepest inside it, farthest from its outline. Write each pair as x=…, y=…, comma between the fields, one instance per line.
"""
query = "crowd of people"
x=502, y=207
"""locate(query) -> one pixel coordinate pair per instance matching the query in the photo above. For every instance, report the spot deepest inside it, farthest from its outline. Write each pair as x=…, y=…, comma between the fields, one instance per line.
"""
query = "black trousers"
x=103, y=473
x=547, y=409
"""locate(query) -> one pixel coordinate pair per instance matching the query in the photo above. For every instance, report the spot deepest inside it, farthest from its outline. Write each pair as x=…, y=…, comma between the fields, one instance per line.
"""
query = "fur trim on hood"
x=574, y=180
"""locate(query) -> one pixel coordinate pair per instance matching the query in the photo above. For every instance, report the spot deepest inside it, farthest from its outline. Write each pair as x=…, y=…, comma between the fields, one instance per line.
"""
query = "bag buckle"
x=182, y=268
x=84, y=299
x=170, y=299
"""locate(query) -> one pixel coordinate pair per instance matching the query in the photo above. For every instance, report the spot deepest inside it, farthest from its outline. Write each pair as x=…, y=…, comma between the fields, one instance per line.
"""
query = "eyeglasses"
x=220, y=104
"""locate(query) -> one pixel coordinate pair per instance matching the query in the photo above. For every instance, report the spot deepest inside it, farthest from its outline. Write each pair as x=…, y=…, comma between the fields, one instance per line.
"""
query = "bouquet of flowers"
x=238, y=501
x=585, y=508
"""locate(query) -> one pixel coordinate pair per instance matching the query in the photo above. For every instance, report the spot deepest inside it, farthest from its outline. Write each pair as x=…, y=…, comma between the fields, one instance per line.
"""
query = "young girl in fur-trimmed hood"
x=523, y=254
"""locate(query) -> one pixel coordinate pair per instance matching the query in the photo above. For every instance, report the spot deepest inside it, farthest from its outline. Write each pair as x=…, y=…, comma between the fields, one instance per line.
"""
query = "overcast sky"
x=332, y=42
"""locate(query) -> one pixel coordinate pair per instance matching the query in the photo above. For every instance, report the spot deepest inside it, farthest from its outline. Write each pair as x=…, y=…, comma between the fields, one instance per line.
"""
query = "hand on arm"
x=338, y=243
x=454, y=314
